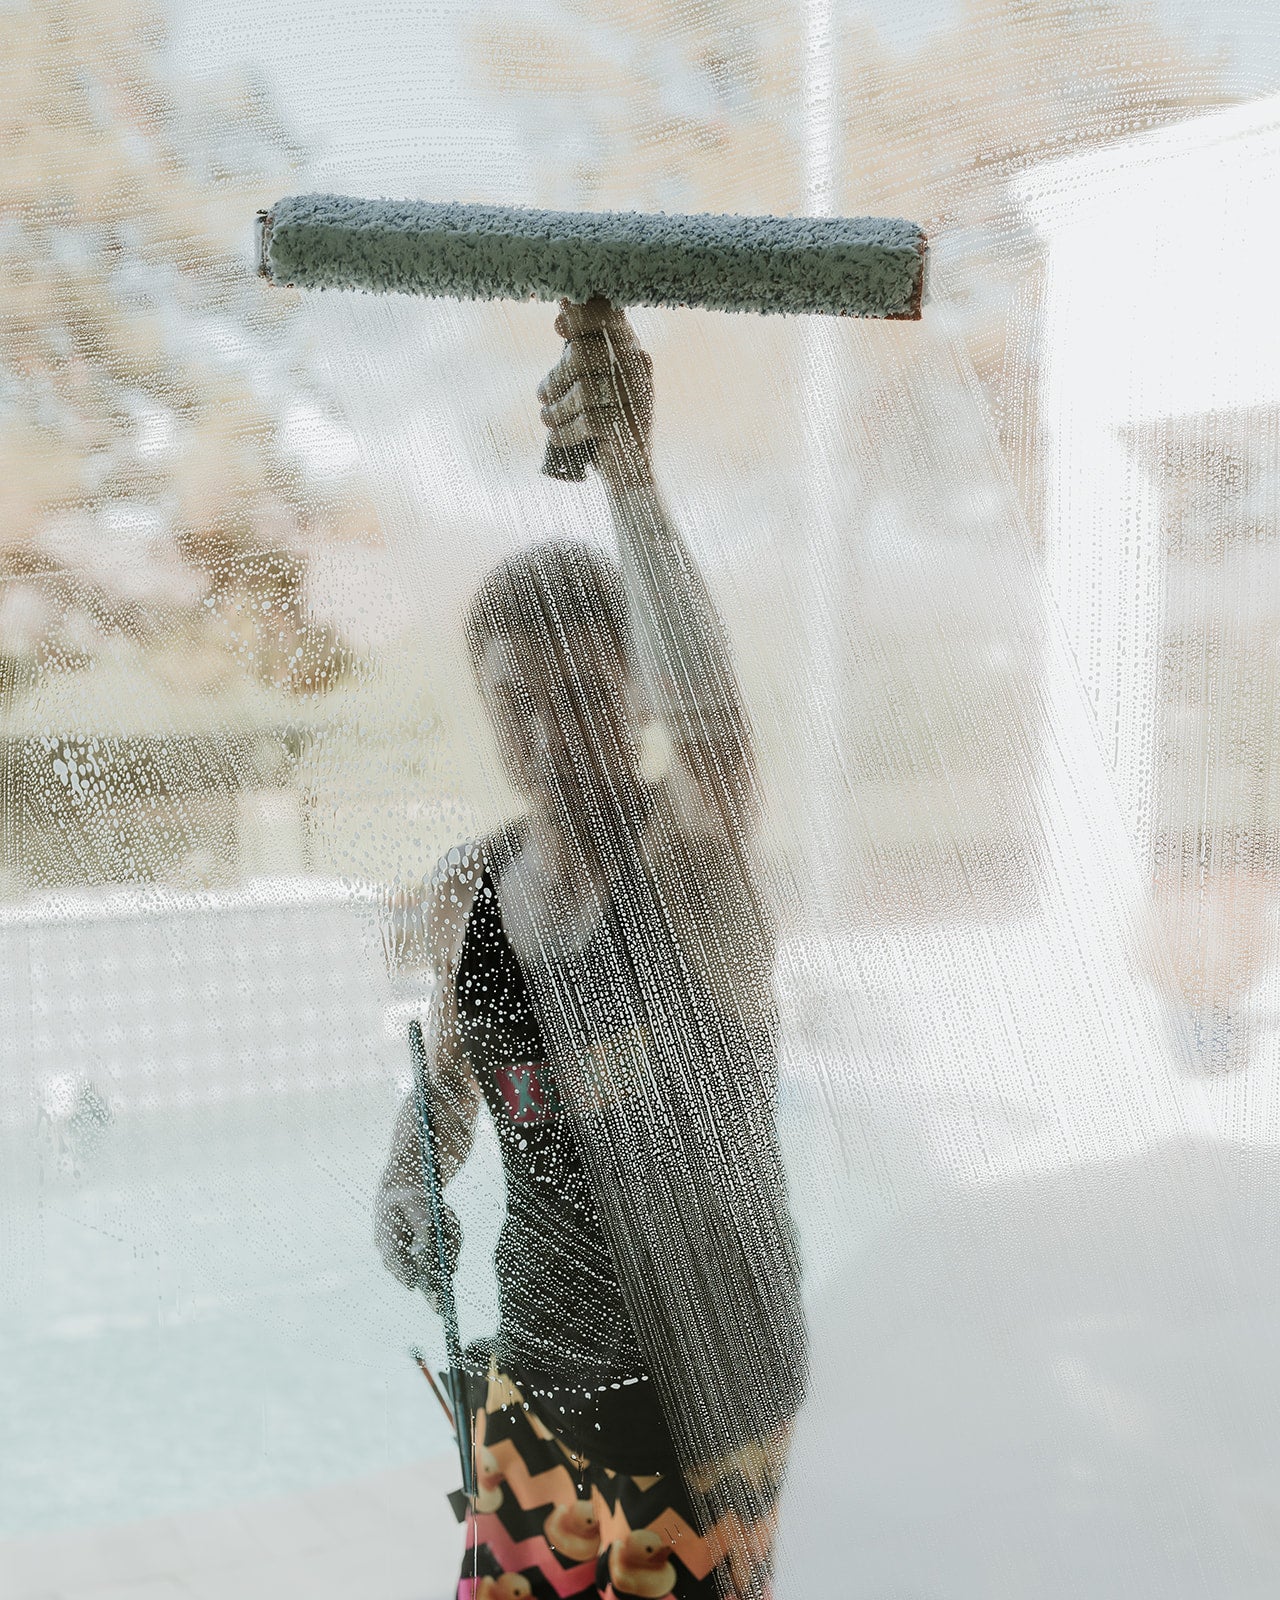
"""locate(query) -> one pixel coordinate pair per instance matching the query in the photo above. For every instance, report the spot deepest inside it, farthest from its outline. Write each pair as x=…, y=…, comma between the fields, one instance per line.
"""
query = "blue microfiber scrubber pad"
x=842, y=266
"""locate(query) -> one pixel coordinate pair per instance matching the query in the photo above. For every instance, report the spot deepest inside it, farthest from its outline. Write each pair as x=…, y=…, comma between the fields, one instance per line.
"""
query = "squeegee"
x=835, y=266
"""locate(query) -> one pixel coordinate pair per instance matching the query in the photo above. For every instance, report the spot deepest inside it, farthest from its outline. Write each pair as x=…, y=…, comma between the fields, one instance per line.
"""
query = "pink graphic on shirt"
x=528, y=1089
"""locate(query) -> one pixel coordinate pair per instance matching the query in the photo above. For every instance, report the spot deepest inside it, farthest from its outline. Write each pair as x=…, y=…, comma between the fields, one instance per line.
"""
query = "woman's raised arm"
x=602, y=390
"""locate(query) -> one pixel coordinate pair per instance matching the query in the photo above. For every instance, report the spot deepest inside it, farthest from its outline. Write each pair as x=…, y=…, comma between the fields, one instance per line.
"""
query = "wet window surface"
x=830, y=849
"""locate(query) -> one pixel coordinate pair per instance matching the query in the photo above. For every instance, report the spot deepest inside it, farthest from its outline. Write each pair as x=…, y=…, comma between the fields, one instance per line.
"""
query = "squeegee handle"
x=568, y=462
x=448, y=1306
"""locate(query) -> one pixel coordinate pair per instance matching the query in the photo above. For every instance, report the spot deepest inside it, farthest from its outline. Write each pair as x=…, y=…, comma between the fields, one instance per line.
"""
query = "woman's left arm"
x=602, y=390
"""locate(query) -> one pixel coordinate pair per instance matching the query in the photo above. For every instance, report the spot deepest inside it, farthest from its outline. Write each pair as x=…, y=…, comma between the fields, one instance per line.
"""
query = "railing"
x=136, y=999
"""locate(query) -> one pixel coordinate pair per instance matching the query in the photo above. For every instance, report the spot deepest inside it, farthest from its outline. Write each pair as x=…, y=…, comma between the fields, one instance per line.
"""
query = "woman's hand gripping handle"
x=597, y=401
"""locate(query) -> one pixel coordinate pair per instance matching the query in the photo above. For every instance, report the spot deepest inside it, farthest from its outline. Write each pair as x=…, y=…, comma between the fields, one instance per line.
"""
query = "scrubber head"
x=842, y=266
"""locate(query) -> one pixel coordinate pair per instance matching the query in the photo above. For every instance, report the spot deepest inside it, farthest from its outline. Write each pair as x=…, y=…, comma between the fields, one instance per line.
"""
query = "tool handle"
x=569, y=462
x=420, y=1361
x=447, y=1304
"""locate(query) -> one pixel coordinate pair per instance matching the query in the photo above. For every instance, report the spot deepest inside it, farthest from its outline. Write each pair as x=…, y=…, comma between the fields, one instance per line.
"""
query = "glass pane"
x=837, y=879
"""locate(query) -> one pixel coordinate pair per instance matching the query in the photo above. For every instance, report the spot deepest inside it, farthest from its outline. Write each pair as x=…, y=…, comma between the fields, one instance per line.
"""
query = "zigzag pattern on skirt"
x=520, y=1555
x=699, y=1553
x=550, y=1524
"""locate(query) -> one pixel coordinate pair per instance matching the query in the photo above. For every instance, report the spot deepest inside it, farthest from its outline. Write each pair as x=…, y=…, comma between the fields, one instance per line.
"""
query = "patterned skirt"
x=550, y=1524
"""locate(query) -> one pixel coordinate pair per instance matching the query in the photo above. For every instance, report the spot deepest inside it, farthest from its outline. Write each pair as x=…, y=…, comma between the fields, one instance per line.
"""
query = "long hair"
x=548, y=597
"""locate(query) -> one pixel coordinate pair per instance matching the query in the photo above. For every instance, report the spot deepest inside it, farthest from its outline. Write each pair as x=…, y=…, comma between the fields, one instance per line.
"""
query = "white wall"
x=1162, y=253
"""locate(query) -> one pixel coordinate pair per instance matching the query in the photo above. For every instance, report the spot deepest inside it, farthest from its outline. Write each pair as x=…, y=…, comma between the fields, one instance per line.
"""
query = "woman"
x=604, y=969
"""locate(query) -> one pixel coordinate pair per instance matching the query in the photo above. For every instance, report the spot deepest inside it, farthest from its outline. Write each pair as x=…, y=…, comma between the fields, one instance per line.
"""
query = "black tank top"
x=564, y=1333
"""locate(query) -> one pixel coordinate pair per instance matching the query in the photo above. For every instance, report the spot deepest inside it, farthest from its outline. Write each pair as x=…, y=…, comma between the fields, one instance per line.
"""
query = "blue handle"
x=447, y=1304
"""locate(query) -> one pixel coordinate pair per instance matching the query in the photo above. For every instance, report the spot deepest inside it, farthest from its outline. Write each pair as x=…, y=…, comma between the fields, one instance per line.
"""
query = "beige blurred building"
x=1163, y=528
